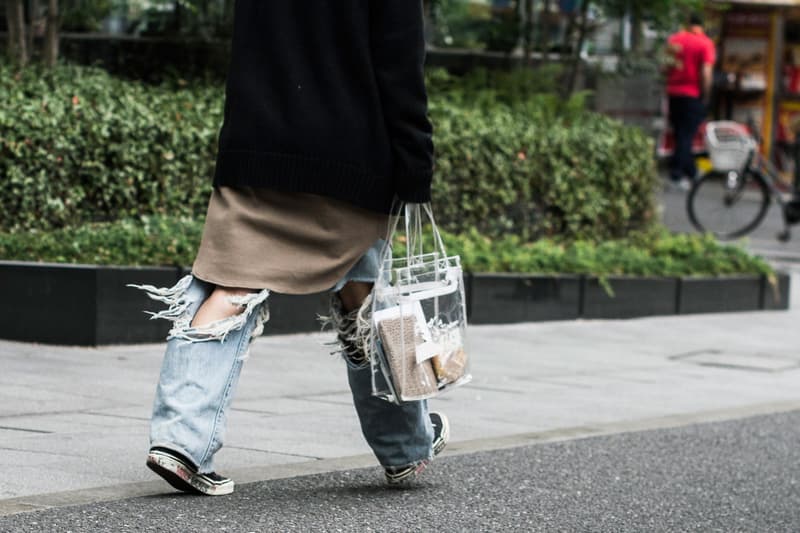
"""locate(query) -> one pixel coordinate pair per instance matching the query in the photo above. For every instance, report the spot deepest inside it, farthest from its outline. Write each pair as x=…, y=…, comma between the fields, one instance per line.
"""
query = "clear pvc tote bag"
x=419, y=317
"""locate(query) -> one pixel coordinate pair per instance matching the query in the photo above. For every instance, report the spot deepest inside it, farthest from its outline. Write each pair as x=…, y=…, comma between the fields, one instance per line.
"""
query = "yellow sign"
x=760, y=2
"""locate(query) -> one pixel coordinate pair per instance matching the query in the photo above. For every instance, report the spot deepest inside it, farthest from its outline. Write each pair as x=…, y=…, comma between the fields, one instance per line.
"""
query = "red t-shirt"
x=691, y=49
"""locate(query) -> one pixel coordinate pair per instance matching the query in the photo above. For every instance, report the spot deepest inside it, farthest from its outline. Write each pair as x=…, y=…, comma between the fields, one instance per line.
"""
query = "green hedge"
x=515, y=157
x=146, y=241
x=174, y=241
x=77, y=146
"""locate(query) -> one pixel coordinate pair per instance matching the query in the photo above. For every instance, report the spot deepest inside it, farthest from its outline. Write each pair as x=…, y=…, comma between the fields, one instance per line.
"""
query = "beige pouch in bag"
x=411, y=379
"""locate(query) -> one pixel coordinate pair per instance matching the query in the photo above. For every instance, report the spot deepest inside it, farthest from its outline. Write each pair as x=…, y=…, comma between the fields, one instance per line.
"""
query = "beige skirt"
x=292, y=243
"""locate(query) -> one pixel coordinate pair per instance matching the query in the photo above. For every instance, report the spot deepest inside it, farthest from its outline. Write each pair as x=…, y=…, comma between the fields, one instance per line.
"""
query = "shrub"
x=173, y=241
x=514, y=157
x=485, y=88
x=655, y=252
x=149, y=240
x=77, y=146
x=587, y=177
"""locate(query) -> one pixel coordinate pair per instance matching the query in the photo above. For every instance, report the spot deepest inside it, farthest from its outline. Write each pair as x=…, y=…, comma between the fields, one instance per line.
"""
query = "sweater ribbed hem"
x=414, y=187
x=420, y=196
x=292, y=173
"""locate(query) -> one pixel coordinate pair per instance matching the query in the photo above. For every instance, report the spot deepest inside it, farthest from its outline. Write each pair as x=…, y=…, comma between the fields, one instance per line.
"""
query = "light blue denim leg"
x=399, y=435
x=366, y=270
x=200, y=372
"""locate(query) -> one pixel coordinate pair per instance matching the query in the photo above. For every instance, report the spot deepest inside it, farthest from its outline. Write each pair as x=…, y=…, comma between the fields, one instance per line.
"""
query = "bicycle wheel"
x=728, y=204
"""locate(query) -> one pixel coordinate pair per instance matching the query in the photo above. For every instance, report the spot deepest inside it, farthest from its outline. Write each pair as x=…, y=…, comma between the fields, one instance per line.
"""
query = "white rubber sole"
x=405, y=475
x=184, y=478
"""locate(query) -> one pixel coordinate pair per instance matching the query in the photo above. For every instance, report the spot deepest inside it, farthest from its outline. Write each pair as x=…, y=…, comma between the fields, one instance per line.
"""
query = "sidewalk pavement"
x=76, y=419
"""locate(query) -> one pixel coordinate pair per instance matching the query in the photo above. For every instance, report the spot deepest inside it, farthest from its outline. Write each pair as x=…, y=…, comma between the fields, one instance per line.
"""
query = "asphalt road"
x=732, y=476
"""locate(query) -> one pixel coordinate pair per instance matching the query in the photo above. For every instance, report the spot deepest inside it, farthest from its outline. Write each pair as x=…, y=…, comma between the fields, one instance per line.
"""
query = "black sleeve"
x=398, y=54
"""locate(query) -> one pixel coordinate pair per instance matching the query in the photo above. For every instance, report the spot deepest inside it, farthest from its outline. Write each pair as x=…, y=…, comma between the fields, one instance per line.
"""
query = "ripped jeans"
x=201, y=369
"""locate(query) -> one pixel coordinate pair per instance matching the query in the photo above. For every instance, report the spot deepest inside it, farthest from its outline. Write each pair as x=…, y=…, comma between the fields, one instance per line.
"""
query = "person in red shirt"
x=689, y=76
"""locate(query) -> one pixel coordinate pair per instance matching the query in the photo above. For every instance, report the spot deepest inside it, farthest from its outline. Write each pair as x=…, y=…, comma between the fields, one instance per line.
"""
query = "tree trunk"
x=637, y=30
x=11, y=34
x=17, y=43
x=543, y=31
x=567, y=42
x=51, y=35
x=576, y=54
x=527, y=28
x=32, y=11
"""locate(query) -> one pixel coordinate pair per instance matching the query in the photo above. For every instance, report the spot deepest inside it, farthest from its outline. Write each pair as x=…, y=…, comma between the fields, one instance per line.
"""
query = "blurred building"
x=758, y=71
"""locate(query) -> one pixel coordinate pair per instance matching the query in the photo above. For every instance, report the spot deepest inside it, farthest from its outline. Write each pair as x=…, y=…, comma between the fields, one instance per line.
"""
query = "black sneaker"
x=441, y=431
x=179, y=472
x=441, y=434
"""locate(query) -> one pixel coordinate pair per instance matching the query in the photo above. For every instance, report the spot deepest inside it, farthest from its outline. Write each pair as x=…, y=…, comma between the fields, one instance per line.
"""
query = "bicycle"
x=733, y=198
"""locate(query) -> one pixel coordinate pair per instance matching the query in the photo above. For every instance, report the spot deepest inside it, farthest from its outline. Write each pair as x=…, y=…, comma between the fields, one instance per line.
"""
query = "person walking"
x=691, y=55
x=325, y=128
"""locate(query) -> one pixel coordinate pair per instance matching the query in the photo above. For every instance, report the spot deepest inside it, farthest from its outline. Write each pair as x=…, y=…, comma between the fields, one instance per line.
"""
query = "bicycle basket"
x=729, y=145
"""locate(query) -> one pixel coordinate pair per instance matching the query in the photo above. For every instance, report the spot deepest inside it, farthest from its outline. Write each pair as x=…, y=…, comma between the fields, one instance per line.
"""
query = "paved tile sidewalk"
x=75, y=418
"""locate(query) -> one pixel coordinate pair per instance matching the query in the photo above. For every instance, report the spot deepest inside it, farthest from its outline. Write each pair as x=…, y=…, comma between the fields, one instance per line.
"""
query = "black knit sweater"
x=328, y=97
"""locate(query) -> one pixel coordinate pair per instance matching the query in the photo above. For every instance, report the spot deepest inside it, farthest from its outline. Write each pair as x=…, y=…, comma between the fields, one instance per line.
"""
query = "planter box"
x=509, y=298
x=777, y=297
x=295, y=314
x=718, y=295
x=79, y=305
x=633, y=297
x=91, y=305
x=292, y=313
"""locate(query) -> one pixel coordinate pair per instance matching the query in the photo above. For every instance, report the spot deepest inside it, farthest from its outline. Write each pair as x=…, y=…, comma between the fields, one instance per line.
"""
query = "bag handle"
x=391, y=229
x=437, y=237
x=412, y=215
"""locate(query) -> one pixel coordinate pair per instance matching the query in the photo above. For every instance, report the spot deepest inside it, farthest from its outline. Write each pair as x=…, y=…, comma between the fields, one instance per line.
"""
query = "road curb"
x=27, y=504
